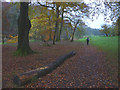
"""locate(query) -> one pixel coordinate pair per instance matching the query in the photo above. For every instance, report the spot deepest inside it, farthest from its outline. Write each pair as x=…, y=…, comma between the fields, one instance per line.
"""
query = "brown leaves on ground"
x=88, y=68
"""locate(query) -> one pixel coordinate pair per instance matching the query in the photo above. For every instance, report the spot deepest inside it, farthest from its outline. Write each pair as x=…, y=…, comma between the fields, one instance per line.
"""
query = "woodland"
x=44, y=45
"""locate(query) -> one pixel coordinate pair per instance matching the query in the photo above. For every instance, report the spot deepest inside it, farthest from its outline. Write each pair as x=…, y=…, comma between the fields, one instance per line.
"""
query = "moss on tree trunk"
x=24, y=26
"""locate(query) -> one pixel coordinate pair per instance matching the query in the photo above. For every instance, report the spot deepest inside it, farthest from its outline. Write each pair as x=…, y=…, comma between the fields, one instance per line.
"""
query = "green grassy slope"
x=109, y=44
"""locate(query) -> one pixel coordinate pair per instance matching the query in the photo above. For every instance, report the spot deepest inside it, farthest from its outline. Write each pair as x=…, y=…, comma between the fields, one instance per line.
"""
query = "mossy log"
x=27, y=77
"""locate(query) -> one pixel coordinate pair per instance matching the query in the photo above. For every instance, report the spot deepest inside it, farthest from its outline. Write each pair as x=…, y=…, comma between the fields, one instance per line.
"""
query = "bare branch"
x=46, y=5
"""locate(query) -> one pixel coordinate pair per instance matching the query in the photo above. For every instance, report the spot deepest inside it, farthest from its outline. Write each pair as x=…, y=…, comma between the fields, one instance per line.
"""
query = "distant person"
x=87, y=40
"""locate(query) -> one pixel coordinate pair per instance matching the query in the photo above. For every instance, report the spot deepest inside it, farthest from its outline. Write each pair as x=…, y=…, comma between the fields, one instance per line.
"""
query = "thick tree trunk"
x=57, y=24
x=3, y=36
x=61, y=26
x=56, y=36
x=24, y=26
x=26, y=77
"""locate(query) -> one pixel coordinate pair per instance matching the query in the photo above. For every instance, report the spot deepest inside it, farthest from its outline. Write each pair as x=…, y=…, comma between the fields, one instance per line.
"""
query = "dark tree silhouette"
x=74, y=31
x=24, y=26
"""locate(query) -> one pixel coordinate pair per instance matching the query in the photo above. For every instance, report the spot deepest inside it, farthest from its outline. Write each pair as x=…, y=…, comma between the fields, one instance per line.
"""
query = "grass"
x=109, y=44
x=2, y=43
x=13, y=43
x=34, y=40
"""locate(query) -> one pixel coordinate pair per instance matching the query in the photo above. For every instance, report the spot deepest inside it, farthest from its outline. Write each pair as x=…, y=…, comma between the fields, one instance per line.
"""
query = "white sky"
x=97, y=23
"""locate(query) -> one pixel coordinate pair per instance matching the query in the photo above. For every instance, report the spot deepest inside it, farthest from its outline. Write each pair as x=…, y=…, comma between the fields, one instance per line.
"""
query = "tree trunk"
x=74, y=31
x=56, y=36
x=27, y=77
x=54, y=39
x=119, y=23
x=50, y=30
x=61, y=25
x=118, y=26
x=3, y=36
x=24, y=26
x=73, y=34
x=106, y=35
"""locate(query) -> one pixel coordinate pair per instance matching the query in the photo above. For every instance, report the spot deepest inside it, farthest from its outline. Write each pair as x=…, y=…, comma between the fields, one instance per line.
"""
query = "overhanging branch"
x=45, y=5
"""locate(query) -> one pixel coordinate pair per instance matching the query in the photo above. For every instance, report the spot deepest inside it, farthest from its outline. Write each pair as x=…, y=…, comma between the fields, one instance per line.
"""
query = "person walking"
x=87, y=40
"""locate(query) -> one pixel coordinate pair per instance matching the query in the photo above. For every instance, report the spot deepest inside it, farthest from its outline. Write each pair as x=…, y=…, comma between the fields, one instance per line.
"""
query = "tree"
x=24, y=26
x=56, y=36
x=114, y=29
x=74, y=19
x=43, y=25
x=110, y=11
x=54, y=6
x=5, y=21
x=115, y=15
x=72, y=37
x=66, y=32
x=105, y=30
x=80, y=31
x=74, y=15
x=62, y=12
x=118, y=25
x=67, y=7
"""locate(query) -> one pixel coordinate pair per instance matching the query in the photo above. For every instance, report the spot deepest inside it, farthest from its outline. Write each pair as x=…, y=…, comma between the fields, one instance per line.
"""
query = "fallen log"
x=27, y=77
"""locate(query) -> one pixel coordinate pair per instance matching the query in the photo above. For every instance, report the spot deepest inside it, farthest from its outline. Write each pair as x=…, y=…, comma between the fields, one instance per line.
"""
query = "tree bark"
x=61, y=25
x=24, y=26
x=118, y=21
x=54, y=39
x=106, y=35
x=26, y=77
x=74, y=31
x=56, y=36
x=3, y=36
x=50, y=29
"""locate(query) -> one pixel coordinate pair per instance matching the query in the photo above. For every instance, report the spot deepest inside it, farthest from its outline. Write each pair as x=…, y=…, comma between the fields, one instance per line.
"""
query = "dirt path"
x=87, y=69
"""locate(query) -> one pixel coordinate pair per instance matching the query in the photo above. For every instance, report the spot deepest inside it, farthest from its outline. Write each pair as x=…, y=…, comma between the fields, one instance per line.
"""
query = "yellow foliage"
x=30, y=34
x=44, y=24
x=47, y=36
x=52, y=35
x=13, y=39
x=10, y=36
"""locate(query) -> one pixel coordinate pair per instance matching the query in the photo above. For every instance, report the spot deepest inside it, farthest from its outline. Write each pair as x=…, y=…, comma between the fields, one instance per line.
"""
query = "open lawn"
x=109, y=44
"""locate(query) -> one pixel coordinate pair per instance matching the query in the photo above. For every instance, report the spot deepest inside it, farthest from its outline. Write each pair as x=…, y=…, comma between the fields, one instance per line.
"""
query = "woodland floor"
x=89, y=68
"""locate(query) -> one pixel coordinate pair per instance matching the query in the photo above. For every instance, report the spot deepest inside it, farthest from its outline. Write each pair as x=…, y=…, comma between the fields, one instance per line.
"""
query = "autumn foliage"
x=12, y=39
x=43, y=26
